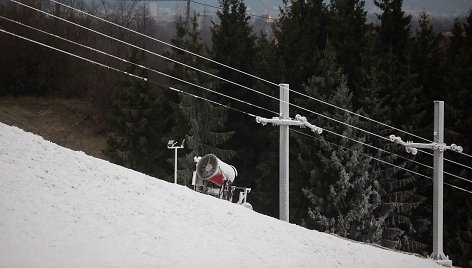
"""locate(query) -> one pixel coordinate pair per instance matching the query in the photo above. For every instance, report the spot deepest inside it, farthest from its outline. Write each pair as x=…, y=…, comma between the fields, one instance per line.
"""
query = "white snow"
x=62, y=208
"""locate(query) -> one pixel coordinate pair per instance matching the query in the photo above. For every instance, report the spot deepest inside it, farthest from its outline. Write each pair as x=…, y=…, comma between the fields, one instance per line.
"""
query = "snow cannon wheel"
x=247, y=205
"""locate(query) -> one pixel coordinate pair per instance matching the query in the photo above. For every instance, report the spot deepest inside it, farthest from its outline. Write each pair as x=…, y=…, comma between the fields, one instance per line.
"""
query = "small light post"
x=173, y=145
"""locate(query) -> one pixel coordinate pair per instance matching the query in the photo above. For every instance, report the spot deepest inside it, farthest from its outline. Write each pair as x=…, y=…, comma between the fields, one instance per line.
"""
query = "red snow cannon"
x=215, y=177
x=210, y=168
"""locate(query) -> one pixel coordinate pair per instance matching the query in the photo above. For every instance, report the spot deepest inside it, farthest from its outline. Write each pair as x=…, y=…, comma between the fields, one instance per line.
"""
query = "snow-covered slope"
x=61, y=208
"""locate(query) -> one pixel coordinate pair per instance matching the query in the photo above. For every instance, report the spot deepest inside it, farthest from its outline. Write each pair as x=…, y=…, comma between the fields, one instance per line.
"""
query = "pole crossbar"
x=284, y=121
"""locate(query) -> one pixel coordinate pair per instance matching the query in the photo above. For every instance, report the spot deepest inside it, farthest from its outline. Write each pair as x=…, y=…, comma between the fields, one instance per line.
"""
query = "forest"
x=387, y=71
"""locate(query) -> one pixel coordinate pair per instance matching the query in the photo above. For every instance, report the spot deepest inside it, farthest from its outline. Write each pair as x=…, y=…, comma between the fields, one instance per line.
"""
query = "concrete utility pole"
x=172, y=145
x=284, y=121
x=438, y=146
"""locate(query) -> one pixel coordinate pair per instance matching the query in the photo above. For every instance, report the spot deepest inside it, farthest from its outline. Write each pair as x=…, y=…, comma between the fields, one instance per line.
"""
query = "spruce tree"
x=202, y=121
x=457, y=85
x=343, y=190
x=234, y=44
x=400, y=93
x=347, y=33
x=265, y=194
x=301, y=33
x=426, y=62
x=394, y=27
x=138, y=125
x=233, y=41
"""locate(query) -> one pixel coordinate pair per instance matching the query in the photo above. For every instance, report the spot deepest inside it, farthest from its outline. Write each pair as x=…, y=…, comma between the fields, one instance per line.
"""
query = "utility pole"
x=284, y=121
x=188, y=17
x=172, y=145
x=438, y=146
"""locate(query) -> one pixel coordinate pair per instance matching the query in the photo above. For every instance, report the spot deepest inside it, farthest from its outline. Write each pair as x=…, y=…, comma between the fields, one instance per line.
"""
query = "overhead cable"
x=121, y=71
x=246, y=73
x=196, y=69
x=357, y=114
x=240, y=71
x=383, y=161
x=143, y=49
x=388, y=152
x=138, y=65
x=180, y=91
x=223, y=79
x=445, y=159
x=215, y=7
x=165, y=43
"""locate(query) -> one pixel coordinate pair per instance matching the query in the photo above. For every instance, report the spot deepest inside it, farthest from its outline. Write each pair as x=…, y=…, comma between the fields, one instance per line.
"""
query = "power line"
x=340, y=146
x=457, y=187
x=251, y=75
x=240, y=71
x=72, y=54
x=203, y=4
x=196, y=69
x=376, y=148
x=180, y=91
x=462, y=153
x=143, y=49
x=165, y=43
x=357, y=114
x=137, y=65
x=396, y=155
x=445, y=159
x=223, y=79
x=383, y=161
x=211, y=101
x=207, y=5
x=118, y=58
x=123, y=72
x=457, y=177
x=153, y=53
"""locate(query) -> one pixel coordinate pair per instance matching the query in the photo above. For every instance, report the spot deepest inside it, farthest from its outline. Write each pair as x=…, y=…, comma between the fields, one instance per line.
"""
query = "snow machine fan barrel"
x=213, y=169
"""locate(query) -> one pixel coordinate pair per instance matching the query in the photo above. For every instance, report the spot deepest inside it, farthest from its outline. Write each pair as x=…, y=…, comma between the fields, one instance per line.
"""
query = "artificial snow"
x=62, y=208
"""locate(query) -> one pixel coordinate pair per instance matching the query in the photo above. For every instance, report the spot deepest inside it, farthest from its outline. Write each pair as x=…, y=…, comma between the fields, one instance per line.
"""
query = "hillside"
x=62, y=208
x=71, y=123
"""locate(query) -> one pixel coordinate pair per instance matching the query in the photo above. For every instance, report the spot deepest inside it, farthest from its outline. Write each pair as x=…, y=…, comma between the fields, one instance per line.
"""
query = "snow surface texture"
x=61, y=208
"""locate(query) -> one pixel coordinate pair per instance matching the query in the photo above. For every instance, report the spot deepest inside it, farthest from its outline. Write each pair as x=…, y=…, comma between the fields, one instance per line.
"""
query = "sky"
x=455, y=7
x=435, y=7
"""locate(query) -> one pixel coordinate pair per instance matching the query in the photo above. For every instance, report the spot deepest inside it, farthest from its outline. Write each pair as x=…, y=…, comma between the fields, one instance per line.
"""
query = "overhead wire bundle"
x=3, y=31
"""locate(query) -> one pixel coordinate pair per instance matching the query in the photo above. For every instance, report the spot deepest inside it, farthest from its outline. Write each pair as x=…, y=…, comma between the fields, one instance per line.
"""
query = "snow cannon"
x=210, y=168
x=214, y=177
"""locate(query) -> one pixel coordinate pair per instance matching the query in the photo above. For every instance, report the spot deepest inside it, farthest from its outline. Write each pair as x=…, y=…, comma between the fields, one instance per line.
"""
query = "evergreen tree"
x=400, y=90
x=234, y=44
x=301, y=33
x=389, y=90
x=233, y=41
x=426, y=62
x=457, y=85
x=137, y=126
x=394, y=27
x=203, y=121
x=265, y=194
x=397, y=188
x=343, y=190
x=347, y=33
